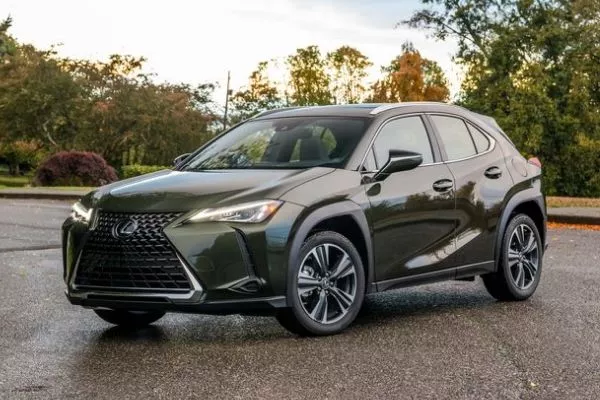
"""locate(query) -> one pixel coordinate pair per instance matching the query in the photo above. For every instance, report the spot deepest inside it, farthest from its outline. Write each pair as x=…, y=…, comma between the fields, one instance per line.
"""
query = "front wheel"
x=520, y=263
x=130, y=319
x=326, y=286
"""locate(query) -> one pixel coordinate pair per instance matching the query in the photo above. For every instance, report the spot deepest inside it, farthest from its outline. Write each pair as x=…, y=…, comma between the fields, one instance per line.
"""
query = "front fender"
x=312, y=218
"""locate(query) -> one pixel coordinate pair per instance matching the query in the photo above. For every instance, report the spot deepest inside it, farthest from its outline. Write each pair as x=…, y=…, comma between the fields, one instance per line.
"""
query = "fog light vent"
x=251, y=285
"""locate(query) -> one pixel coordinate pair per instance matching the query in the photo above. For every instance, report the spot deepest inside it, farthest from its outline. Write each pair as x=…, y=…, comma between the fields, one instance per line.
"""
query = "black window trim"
x=433, y=141
x=470, y=127
x=465, y=121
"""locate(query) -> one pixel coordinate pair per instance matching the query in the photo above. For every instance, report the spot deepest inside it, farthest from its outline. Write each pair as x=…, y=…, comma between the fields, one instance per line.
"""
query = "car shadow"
x=150, y=333
x=379, y=308
x=410, y=302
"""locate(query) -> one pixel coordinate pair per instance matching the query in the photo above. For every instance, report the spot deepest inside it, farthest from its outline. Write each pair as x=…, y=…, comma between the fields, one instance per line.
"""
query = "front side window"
x=283, y=143
x=406, y=133
x=455, y=137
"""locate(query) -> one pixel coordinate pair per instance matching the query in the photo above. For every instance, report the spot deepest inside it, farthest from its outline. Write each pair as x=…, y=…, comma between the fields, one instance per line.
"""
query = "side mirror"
x=400, y=160
x=180, y=158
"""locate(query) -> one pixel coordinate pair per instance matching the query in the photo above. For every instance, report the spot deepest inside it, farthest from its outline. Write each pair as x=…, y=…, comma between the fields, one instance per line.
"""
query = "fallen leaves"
x=558, y=225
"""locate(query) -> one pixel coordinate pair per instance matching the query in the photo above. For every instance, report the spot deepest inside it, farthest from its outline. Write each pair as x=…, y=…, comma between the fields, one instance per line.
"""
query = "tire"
x=130, y=319
x=520, y=262
x=324, y=301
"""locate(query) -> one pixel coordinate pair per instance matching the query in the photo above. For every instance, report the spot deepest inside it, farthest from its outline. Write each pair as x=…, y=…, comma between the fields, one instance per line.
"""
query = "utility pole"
x=226, y=101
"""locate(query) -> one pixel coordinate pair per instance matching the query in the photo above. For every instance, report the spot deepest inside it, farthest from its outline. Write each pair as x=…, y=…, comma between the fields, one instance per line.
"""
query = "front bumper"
x=232, y=268
x=251, y=306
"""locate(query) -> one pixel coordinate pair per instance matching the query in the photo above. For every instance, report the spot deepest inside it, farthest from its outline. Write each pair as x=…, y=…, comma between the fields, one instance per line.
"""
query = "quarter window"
x=455, y=137
x=402, y=134
x=482, y=143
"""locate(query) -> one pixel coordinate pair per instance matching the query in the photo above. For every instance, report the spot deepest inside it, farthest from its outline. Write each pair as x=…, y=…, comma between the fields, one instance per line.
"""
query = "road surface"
x=448, y=340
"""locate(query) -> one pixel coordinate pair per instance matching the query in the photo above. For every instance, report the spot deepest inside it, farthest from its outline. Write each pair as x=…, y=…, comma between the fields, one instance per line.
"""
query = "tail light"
x=535, y=161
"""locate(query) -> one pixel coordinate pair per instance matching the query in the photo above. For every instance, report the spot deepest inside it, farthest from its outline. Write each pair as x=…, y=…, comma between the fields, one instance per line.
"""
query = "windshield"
x=301, y=142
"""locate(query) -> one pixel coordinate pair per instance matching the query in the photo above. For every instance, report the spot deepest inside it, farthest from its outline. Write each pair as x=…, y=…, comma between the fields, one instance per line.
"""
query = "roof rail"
x=391, y=106
x=276, y=110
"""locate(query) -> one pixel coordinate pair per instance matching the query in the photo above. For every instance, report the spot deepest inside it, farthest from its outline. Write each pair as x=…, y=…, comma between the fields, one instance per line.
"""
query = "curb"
x=41, y=195
x=574, y=219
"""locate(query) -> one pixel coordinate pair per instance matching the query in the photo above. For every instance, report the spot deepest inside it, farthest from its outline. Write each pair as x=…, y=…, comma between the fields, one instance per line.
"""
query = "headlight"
x=254, y=212
x=80, y=213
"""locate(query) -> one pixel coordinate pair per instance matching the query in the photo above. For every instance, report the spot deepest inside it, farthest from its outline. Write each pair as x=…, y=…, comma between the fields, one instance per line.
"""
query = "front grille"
x=139, y=260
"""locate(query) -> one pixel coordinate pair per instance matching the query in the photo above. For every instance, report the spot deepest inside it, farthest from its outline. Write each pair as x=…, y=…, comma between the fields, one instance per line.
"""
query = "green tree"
x=348, y=70
x=533, y=65
x=112, y=108
x=129, y=114
x=309, y=82
x=261, y=94
x=38, y=99
x=410, y=77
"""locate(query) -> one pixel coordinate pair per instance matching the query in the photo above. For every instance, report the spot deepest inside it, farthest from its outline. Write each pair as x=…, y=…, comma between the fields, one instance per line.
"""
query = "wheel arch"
x=346, y=218
x=530, y=202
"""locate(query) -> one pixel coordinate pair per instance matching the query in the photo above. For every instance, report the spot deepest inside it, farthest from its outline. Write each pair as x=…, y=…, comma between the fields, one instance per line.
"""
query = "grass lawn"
x=14, y=181
x=24, y=182
x=58, y=188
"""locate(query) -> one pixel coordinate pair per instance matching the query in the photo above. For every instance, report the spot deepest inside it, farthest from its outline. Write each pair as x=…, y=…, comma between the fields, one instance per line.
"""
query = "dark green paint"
x=417, y=233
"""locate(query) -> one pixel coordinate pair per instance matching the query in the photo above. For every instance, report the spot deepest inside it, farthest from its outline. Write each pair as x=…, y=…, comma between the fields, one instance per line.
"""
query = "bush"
x=75, y=168
x=129, y=171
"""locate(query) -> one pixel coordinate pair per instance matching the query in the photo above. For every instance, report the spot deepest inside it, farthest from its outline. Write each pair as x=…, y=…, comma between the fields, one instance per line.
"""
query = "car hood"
x=182, y=191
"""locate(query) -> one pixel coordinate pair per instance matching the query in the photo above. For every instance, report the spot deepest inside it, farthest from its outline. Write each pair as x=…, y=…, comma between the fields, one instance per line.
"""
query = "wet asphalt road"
x=448, y=340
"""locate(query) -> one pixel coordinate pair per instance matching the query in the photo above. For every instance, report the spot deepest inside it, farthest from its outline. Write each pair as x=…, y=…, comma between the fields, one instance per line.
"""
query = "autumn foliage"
x=410, y=77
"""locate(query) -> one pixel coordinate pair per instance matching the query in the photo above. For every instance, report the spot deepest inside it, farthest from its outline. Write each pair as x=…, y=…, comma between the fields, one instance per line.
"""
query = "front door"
x=412, y=212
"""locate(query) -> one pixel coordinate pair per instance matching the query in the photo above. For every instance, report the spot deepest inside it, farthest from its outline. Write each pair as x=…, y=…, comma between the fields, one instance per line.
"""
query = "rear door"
x=412, y=212
x=482, y=180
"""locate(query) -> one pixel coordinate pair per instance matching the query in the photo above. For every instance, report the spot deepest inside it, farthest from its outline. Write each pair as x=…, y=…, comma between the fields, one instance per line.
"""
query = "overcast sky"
x=198, y=41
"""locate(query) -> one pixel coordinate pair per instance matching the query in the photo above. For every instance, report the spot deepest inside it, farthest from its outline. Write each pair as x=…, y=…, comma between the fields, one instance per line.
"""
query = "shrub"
x=129, y=171
x=75, y=168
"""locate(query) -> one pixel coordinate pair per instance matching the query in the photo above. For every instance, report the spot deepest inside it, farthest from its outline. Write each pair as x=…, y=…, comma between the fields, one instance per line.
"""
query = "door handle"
x=493, y=172
x=443, y=185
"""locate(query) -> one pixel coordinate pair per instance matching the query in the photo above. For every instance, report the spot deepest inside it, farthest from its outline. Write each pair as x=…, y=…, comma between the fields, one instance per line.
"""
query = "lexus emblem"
x=124, y=228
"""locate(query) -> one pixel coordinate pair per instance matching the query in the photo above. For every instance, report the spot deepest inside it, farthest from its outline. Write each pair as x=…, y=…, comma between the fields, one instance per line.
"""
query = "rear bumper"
x=166, y=302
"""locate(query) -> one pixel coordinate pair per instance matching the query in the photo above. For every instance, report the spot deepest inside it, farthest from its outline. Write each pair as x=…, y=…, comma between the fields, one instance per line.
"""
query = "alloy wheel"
x=326, y=283
x=523, y=256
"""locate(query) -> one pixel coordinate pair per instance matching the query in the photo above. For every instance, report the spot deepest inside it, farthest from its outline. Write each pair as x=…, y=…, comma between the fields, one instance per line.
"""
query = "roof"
x=355, y=110
x=371, y=110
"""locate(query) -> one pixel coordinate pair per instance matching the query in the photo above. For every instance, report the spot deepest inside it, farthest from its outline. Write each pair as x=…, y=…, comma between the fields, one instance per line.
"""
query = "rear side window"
x=455, y=137
x=482, y=143
x=402, y=134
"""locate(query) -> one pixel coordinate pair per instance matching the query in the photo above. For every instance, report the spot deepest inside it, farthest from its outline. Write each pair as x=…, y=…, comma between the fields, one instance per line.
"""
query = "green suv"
x=301, y=212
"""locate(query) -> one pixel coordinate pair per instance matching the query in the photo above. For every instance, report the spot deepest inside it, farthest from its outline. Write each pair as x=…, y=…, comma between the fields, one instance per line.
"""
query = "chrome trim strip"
x=491, y=148
x=490, y=138
x=386, y=107
x=392, y=106
x=370, y=146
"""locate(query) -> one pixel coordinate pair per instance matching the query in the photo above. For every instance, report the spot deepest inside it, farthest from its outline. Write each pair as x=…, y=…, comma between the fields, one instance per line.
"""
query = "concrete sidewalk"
x=567, y=215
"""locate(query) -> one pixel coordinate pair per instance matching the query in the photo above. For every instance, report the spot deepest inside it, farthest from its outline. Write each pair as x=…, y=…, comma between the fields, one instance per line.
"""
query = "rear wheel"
x=520, y=263
x=326, y=284
x=130, y=319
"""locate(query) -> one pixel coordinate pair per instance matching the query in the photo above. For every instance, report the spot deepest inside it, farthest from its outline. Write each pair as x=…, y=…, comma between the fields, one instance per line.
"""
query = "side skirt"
x=464, y=271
